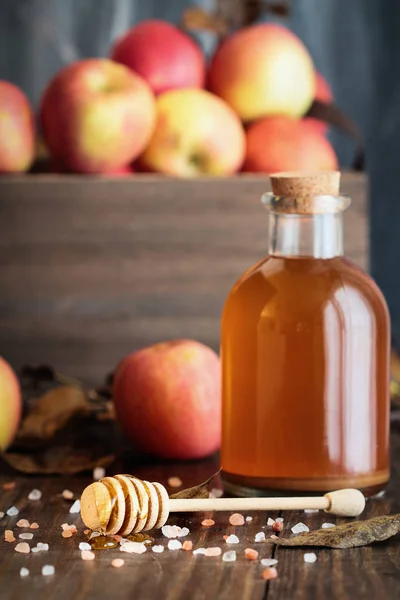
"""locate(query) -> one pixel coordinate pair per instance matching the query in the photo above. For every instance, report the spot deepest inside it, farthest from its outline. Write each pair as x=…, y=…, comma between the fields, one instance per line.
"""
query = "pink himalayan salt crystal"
x=117, y=563
x=270, y=573
x=23, y=548
x=66, y=533
x=251, y=554
x=236, y=519
x=232, y=539
x=87, y=555
x=277, y=526
x=216, y=493
x=86, y=531
x=174, y=545
x=23, y=523
x=117, y=538
x=133, y=547
x=34, y=526
x=175, y=482
x=10, y=485
x=67, y=494
x=208, y=522
x=187, y=545
x=213, y=551
x=9, y=536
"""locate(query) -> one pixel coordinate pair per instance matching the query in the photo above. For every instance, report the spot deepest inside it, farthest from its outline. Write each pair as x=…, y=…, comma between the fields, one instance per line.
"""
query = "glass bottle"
x=305, y=348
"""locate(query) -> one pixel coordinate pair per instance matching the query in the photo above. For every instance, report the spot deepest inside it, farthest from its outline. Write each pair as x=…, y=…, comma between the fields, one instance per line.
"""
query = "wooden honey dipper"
x=124, y=504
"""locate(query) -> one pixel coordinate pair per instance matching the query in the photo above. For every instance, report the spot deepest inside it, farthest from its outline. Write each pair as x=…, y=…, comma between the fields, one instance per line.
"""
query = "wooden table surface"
x=371, y=572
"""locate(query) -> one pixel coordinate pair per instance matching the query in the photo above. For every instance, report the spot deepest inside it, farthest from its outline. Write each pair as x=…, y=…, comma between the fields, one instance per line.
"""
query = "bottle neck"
x=317, y=236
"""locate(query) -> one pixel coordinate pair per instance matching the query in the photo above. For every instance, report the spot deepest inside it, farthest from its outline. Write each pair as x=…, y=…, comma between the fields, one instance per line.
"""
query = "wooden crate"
x=93, y=268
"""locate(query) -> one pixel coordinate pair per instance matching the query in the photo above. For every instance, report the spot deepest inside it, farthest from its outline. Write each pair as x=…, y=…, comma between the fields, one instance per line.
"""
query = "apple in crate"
x=287, y=144
x=263, y=70
x=97, y=116
x=168, y=399
x=196, y=133
x=17, y=130
x=163, y=55
x=10, y=404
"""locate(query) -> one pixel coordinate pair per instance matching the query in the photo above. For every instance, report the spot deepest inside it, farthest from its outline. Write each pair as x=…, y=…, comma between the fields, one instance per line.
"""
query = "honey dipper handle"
x=349, y=503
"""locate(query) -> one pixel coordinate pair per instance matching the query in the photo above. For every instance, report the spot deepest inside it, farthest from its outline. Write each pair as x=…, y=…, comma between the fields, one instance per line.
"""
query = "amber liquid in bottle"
x=305, y=355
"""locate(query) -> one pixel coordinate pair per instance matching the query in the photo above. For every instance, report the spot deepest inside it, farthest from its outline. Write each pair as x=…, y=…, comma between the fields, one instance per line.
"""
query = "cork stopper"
x=298, y=190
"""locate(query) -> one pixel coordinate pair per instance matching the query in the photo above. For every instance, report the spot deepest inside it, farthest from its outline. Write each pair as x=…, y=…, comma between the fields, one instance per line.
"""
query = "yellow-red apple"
x=286, y=144
x=196, y=133
x=166, y=57
x=10, y=404
x=17, y=130
x=263, y=70
x=168, y=399
x=97, y=116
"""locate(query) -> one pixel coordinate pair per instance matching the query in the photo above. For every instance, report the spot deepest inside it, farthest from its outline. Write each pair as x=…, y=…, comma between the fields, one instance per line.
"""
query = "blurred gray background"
x=355, y=44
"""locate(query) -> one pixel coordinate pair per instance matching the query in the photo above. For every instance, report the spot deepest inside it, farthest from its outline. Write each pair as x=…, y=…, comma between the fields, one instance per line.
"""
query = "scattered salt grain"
x=33, y=526
x=277, y=526
x=48, y=570
x=9, y=536
x=10, y=485
x=35, y=495
x=279, y=520
x=171, y=531
x=110, y=545
x=24, y=572
x=327, y=525
x=25, y=536
x=213, y=551
x=229, y=556
x=269, y=562
x=86, y=531
x=13, y=511
x=99, y=473
x=216, y=493
x=248, y=519
x=270, y=573
x=310, y=557
x=310, y=511
x=158, y=549
x=175, y=482
x=42, y=547
x=23, y=523
x=251, y=554
x=236, y=519
x=183, y=532
x=117, y=563
x=300, y=528
x=187, y=545
x=270, y=522
x=208, y=522
x=133, y=547
x=232, y=539
x=199, y=551
x=67, y=495
x=87, y=555
x=1, y=514
x=23, y=548
x=75, y=508
x=260, y=537
x=84, y=546
x=174, y=545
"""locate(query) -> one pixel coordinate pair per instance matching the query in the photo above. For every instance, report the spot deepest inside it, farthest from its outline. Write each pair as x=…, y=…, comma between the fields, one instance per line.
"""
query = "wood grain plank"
x=121, y=263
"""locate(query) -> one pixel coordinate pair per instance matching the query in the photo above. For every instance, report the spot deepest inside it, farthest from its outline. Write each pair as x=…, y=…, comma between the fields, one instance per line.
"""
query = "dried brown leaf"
x=61, y=460
x=198, y=19
x=197, y=491
x=349, y=535
x=52, y=411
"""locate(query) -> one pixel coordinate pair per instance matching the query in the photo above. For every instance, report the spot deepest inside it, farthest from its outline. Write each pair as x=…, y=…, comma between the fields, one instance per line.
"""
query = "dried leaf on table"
x=60, y=460
x=349, y=535
x=197, y=491
x=52, y=411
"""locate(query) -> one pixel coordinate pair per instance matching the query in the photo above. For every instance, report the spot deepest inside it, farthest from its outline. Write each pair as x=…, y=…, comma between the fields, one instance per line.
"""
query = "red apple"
x=10, y=404
x=168, y=399
x=164, y=56
x=284, y=144
x=97, y=116
x=263, y=70
x=17, y=130
x=197, y=133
